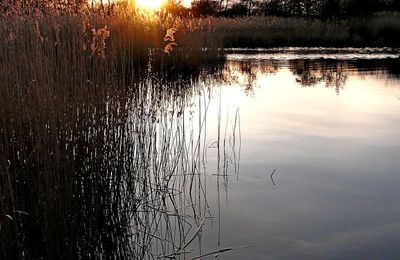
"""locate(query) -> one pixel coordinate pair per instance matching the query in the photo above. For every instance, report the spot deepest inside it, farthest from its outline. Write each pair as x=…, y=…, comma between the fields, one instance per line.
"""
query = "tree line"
x=324, y=9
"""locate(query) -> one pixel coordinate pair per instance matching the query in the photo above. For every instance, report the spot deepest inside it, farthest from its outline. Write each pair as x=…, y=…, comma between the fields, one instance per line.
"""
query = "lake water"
x=267, y=154
x=327, y=125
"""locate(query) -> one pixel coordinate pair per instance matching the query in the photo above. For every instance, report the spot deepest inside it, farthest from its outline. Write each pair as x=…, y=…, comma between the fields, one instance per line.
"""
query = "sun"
x=150, y=4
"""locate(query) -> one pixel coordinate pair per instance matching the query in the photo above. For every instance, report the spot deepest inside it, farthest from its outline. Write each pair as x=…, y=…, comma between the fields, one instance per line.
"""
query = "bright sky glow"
x=144, y=4
x=156, y=4
x=149, y=4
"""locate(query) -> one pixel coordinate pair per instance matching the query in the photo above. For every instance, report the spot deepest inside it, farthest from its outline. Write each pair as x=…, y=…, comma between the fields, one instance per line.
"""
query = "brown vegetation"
x=89, y=150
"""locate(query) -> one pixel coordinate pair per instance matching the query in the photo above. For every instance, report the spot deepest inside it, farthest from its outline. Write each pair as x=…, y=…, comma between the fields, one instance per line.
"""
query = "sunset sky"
x=147, y=4
x=157, y=3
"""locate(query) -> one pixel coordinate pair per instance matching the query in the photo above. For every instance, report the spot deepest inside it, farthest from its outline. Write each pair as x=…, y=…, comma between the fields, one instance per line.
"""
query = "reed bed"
x=270, y=31
x=110, y=182
x=97, y=154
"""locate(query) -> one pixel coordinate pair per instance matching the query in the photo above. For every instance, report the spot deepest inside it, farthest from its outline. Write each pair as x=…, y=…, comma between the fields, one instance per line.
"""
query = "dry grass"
x=268, y=31
x=95, y=159
x=98, y=159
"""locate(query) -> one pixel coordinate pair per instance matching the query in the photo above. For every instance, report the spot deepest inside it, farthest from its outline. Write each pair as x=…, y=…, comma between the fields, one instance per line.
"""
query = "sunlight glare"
x=150, y=4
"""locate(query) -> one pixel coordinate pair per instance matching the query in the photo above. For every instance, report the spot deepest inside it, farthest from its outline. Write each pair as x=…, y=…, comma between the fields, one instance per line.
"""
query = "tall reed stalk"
x=97, y=160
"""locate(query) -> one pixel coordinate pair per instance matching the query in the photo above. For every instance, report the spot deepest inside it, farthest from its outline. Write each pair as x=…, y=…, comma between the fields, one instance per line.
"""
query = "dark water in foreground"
x=331, y=129
x=271, y=154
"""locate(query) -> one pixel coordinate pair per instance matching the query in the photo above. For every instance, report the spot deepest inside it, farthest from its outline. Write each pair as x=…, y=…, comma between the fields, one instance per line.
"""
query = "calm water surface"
x=330, y=128
x=276, y=154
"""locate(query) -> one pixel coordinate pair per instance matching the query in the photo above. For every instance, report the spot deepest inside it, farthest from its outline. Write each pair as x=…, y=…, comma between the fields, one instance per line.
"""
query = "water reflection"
x=245, y=73
x=330, y=73
x=118, y=176
x=152, y=171
x=333, y=74
x=334, y=155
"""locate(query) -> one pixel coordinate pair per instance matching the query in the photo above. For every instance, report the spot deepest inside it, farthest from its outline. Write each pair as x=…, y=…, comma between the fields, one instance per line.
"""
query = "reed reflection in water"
x=127, y=173
x=120, y=177
x=334, y=145
x=243, y=70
